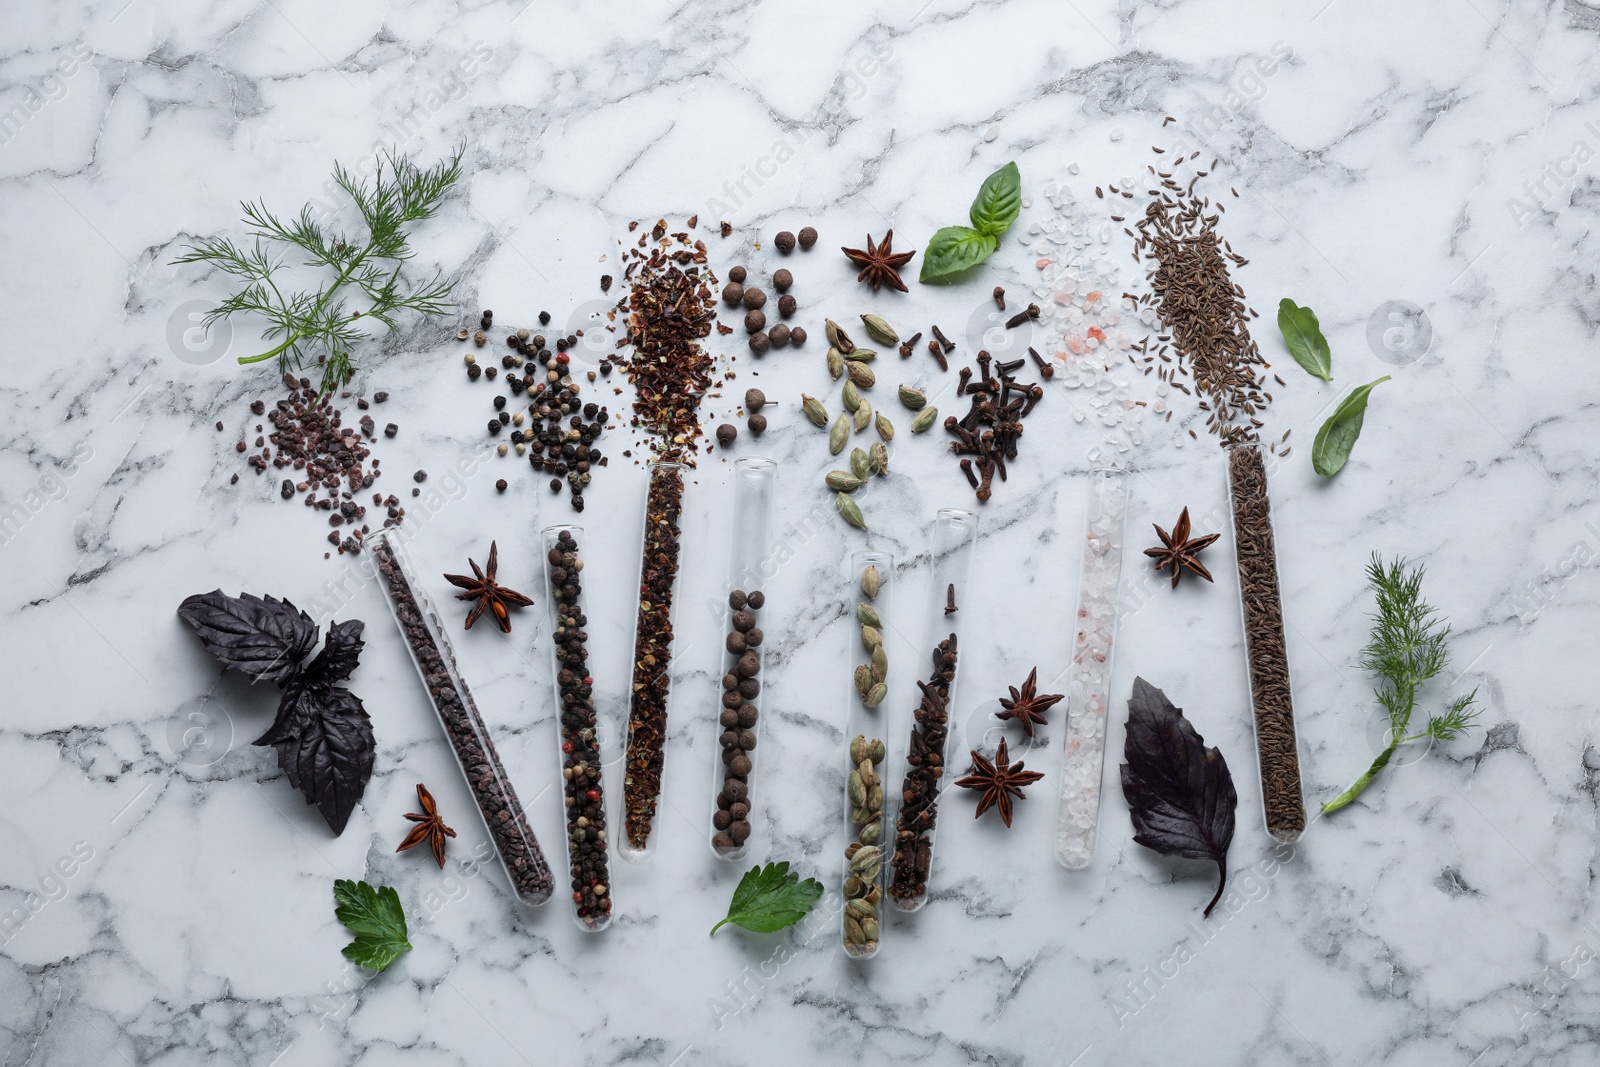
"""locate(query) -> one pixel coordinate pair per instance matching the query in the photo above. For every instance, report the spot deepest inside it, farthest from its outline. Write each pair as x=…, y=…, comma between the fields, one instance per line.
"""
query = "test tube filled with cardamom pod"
x=1083, y=746
x=754, y=479
x=1266, y=651
x=577, y=729
x=868, y=592
x=464, y=728
x=645, y=757
x=955, y=532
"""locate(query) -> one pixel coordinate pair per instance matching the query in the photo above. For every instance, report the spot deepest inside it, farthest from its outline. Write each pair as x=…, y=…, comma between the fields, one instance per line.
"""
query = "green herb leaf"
x=953, y=250
x=999, y=202
x=770, y=898
x=1304, y=338
x=377, y=920
x=1338, y=435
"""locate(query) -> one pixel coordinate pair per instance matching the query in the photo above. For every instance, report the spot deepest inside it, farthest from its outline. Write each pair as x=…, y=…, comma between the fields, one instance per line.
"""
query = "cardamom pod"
x=843, y=481
x=858, y=746
x=924, y=419
x=885, y=427
x=871, y=873
x=839, y=434
x=853, y=886
x=837, y=337
x=869, y=930
x=914, y=399
x=878, y=459
x=860, y=909
x=874, y=797
x=850, y=850
x=871, y=638
x=858, y=816
x=875, y=695
x=835, y=363
x=869, y=777
x=853, y=934
x=873, y=895
x=870, y=833
x=866, y=857
x=852, y=399
x=814, y=409
x=861, y=374
x=863, y=416
x=880, y=330
x=876, y=751
x=861, y=355
x=880, y=665
x=871, y=581
x=860, y=463
x=868, y=615
x=857, y=790
x=864, y=682
x=850, y=511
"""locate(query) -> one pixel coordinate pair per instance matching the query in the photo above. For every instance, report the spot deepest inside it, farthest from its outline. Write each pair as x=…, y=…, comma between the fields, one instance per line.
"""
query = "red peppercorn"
x=594, y=795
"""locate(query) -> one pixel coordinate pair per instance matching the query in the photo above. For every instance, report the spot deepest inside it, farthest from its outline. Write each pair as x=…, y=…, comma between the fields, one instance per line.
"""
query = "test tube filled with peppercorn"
x=955, y=532
x=577, y=729
x=868, y=592
x=469, y=738
x=743, y=681
x=652, y=658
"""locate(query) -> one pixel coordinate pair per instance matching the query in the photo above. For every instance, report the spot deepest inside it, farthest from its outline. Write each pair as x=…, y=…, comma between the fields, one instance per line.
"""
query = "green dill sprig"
x=1408, y=648
x=317, y=325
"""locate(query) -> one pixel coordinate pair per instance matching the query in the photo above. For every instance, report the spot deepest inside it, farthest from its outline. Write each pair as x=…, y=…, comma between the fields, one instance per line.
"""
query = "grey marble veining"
x=164, y=894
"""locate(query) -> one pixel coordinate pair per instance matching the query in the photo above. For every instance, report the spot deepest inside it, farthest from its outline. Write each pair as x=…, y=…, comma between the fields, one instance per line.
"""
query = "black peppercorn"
x=474, y=372
x=500, y=486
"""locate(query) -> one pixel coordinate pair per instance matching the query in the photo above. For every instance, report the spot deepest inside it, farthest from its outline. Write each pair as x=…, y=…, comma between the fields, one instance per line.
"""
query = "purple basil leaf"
x=1179, y=792
x=330, y=758
x=297, y=706
x=265, y=638
x=340, y=654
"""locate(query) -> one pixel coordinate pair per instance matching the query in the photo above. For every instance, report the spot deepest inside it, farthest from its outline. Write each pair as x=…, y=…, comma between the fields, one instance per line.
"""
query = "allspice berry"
x=759, y=343
x=732, y=293
x=736, y=274
x=782, y=279
x=808, y=237
x=755, y=319
x=787, y=306
x=779, y=334
x=758, y=424
x=797, y=336
x=754, y=298
x=726, y=433
x=754, y=399
x=785, y=242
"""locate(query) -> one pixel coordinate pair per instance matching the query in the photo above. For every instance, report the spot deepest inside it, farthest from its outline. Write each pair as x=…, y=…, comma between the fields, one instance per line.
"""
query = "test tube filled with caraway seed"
x=652, y=659
x=577, y=729
x=1265, y=650
x=955, y=532
x=469, y=738
x=868, y=600
x=1083, y=747
x=743, y=681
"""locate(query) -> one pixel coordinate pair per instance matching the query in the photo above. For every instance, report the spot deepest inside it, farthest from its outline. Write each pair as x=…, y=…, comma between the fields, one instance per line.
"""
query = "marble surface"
x=174, y=892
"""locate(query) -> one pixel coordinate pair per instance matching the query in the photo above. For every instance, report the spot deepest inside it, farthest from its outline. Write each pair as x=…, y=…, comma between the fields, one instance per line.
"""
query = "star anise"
x=879, y=266
x=999, y=781
x=489, y=594
x=1028, y=706
x=429, y=828
x=1180, y=550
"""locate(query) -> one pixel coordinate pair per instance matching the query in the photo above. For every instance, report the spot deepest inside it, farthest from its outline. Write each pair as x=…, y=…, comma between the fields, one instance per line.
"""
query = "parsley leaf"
x=770, y=898
x=377, y=920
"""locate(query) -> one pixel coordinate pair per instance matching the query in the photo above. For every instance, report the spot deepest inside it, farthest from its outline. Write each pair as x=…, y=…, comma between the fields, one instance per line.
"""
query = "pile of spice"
x=329, y=459
x=670, y=309
x=580, y=745
x=990, y=429
x=1201, y=310
x=464, y=728
x=652, y=654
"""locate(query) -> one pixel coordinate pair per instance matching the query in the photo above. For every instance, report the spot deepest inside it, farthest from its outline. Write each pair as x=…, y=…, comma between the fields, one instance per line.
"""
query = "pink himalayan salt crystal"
x=1042, y=263
x=1076, y=345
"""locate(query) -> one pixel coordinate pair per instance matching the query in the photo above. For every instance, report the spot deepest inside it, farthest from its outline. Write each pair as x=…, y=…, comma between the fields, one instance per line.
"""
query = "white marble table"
x=175, y=892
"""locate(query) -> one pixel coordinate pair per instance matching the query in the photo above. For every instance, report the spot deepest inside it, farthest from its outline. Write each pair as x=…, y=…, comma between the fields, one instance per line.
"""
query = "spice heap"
x=561, y=430
x=652, y=654
x=580, y=747
x=1264, y=644
x=308, y=435
x=736, y=293
x=731, y=823
x=670, y=308
x=863, y=856
x=464, y=728
x=848, y=360
x=1089, y=684
x=919, y=794
x=992, y=426
x=1200, y=307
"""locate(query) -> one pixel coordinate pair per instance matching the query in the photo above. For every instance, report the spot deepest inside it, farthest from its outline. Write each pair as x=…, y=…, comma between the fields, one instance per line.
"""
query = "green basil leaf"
x=999, y=202
x=1338, y=435
x=1304, y=338
x=953, y=250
